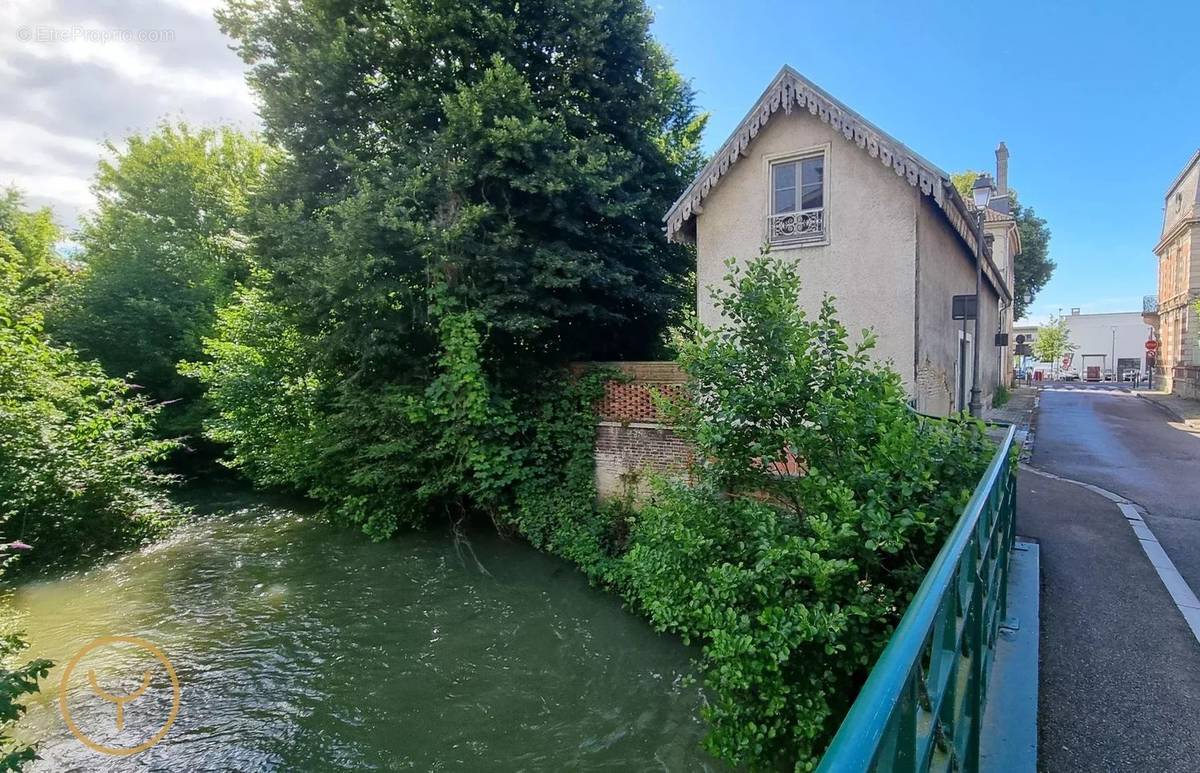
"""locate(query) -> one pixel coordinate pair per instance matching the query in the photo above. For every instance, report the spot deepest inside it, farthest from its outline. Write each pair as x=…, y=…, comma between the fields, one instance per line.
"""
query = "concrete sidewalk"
x=1017, y=410
x=1181, y=408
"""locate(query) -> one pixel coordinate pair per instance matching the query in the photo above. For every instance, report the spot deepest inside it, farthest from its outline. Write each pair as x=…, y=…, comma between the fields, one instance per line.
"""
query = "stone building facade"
x=865, y=219
x=1177, y=366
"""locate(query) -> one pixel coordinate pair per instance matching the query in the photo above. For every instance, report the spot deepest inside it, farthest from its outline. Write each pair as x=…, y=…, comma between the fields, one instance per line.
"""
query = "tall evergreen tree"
x=521, y=154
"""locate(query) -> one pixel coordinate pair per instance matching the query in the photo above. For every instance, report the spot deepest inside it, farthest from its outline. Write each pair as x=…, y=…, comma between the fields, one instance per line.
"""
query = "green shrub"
x=792, y=583
x=16, y=682
x=392, y=455
x=76, y=449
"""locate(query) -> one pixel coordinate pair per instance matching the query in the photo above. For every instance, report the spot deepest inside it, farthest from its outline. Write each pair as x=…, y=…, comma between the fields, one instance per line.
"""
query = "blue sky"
x=1096, y=102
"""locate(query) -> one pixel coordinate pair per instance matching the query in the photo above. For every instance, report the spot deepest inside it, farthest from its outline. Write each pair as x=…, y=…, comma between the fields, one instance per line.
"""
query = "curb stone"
x=1167, y=409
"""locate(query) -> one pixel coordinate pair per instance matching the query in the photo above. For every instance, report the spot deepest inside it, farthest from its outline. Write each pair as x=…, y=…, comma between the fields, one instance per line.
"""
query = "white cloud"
x=201, y=8
x=32, y=145
x=76, y=72
x=52, y=189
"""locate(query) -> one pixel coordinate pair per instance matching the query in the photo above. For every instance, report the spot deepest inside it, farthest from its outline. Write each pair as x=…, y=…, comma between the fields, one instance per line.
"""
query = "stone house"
x=1177, y=364
x=865, y=219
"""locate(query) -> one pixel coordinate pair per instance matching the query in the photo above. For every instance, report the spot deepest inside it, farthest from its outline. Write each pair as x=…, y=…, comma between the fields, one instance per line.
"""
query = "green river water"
x=299, y=646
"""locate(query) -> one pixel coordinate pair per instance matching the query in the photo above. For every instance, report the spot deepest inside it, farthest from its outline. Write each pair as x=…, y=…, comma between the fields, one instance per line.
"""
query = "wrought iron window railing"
x=921, y=707
x=1149, y=304
x=804, y=226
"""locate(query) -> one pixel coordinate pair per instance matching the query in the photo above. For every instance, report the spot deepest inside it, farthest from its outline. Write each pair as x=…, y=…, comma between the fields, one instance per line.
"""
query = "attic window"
x=797, y=200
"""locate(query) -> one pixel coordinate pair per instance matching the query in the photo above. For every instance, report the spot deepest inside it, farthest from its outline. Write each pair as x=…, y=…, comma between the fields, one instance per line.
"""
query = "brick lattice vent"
x=630, y=400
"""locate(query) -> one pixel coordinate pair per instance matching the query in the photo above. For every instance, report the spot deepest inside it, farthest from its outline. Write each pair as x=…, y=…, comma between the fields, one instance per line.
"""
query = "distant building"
x=1107, y=346
x=867, y=220
x=1173, y=313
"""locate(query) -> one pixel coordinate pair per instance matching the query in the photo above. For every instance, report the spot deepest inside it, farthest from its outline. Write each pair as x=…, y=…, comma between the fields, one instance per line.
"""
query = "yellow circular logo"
x=120, y=700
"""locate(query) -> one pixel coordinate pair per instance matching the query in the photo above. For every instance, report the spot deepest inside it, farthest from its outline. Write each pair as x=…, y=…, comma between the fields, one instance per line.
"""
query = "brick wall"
x=633, y=442
x=629, y=455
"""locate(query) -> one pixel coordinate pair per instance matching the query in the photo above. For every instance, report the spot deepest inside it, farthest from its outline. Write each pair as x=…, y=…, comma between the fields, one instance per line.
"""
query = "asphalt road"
x=1127, y=445
x=1120, y=669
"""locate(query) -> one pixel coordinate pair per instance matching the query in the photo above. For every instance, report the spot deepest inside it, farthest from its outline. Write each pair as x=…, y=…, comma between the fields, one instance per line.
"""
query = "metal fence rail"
x=921, y=707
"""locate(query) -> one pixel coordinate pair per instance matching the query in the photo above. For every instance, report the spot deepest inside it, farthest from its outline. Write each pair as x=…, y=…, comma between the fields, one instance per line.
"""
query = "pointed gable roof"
x=790, y=90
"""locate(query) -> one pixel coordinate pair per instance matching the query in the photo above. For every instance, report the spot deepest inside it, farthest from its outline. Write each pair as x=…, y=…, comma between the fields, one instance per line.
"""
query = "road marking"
x=1185, y=600
x=1181, y=594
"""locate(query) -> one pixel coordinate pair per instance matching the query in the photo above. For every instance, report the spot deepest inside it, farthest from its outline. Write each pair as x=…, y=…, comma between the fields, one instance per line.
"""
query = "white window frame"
x=822, y=151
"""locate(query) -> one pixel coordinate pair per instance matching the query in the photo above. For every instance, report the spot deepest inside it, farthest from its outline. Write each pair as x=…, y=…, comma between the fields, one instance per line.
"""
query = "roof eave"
x=790, y=90
x=787, y=90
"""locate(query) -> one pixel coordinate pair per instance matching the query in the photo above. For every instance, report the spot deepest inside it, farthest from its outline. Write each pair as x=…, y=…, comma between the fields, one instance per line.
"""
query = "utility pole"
x=1116, y=376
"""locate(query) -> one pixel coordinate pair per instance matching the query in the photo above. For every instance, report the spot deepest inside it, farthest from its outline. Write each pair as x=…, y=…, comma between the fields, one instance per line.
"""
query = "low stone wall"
x=633, y=441
x=1185, y=381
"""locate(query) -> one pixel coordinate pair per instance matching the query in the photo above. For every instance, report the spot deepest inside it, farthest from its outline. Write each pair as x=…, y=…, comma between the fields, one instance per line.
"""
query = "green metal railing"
x=921, y=707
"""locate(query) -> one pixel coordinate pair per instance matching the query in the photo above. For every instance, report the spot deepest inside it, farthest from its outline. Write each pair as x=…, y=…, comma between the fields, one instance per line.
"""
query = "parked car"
x=1068, y=375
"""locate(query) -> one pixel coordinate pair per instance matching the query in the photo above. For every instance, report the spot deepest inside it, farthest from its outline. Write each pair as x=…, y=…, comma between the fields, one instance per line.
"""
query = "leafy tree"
x=265, y=391
x=1033, y=266
x=520, y=154
x=1053, y=342
x=28, y=240
x=167, y=244
x=75, y=448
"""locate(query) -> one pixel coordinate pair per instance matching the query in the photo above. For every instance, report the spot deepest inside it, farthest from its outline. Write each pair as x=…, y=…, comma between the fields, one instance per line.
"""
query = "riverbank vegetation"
x=790, y=581
x=167, y=244
x=77, y=451
x=818, y=502
x=376, y=305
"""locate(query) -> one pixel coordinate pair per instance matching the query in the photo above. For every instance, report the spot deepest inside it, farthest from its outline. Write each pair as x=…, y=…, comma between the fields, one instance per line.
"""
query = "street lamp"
x=981, y=192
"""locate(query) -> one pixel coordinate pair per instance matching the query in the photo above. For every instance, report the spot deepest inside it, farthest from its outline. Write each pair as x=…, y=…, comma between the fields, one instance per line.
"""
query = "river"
x=299, y=646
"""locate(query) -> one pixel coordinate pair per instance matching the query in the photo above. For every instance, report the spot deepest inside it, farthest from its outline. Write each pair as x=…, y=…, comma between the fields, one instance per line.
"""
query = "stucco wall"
x=944, y=271
x=1107, y=338
x=868, y=263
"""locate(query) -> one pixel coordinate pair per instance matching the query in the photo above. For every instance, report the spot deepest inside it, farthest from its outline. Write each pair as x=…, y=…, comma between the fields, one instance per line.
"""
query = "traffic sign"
x=1151, y=345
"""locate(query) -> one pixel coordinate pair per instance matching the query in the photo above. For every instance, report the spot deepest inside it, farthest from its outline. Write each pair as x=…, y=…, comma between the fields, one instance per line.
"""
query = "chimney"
x=1001, y=170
